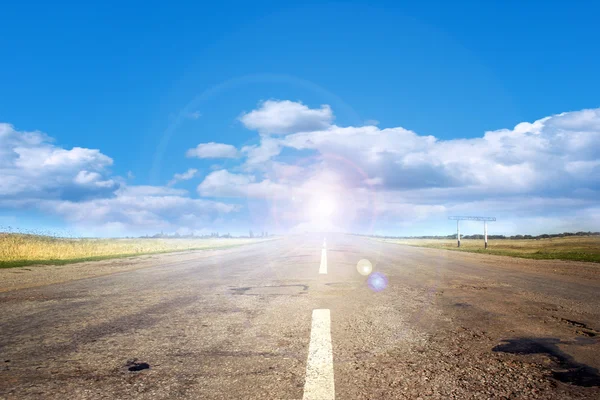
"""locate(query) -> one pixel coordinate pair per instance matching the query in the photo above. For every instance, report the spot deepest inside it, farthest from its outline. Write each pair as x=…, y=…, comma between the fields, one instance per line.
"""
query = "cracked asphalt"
x=235, y=324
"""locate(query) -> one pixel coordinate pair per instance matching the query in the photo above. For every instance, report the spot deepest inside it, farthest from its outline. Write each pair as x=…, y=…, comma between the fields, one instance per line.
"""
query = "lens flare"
x=364, y=267
x=377, y=281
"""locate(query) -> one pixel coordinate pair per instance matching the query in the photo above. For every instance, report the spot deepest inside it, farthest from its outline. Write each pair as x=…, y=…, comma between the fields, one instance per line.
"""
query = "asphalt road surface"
x=293, y=318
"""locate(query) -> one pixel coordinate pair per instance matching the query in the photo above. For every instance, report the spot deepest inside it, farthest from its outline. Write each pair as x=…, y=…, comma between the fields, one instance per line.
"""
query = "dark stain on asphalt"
x=135, y=366
x=568, y=370
x=266, y=290
x=462, y=305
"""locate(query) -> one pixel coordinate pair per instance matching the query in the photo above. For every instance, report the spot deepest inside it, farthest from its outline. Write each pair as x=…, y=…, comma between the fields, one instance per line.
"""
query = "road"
x=275, y=320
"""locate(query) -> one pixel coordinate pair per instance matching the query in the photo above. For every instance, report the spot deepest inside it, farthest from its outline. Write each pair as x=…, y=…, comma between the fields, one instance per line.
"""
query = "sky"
x=132, y=118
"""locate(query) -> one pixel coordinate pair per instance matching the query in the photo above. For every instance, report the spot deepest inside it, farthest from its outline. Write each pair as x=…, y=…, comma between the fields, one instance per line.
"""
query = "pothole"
x=566, y=368
x=585, y=332
x=573, y=323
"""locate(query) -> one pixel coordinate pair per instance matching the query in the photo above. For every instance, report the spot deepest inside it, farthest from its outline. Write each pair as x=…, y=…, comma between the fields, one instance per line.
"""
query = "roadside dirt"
x=41, y=275
x=576, y=270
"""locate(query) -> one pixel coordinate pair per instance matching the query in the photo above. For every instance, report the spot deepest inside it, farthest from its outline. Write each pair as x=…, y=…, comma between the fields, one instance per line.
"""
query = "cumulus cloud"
x=76, y=185
x=139, y=209
x=265, y=151
x=223, y=183
x=281, y=117
x=553, y=152
x=310, y=172
x=395, y=172
x=187, y=175
x=213, y=150
x=31, y=166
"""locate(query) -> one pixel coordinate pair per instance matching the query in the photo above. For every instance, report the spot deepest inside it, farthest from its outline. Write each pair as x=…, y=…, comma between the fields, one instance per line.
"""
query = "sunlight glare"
x=322, y=208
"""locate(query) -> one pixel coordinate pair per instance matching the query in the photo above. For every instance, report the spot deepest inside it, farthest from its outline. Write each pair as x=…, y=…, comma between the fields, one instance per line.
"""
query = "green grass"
x=17, y=250
x=572, y=248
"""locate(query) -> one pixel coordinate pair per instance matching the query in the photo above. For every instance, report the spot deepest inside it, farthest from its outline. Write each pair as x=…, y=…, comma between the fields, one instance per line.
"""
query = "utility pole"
x=485, y=221
x=485, y=233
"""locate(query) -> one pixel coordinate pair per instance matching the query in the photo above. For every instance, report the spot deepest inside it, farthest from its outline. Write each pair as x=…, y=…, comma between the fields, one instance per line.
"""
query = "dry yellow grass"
x=577, y=248
x=19, y=250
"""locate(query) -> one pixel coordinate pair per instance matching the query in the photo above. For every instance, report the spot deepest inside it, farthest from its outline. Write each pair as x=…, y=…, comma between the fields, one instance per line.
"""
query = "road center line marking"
x=323, y=267
x=319, y=384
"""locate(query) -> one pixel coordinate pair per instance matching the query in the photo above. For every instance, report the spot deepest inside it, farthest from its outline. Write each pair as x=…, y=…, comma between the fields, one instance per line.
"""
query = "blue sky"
x=119, y=93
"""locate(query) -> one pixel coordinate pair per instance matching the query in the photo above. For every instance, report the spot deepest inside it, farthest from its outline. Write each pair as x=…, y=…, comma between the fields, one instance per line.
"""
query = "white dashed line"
x=319, y=384
x=323, y=267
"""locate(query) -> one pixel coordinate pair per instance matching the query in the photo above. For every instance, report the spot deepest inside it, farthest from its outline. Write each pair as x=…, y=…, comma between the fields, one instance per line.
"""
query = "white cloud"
x=86, y=178
x=76, y=185
x=223, y=183
x=550, y=153
x=187, y=175
x=257, y=155
x=147, y=190
x=390, y=179
x=213, y=150
x=281, y=117
x=395, y=174
x=31, y=166
x=138, y=209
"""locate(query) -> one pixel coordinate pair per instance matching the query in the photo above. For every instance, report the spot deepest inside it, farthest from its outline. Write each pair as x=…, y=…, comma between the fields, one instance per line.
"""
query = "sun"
x=322, y=208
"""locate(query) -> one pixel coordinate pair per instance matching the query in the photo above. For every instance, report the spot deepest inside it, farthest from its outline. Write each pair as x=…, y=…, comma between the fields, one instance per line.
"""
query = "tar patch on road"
x=135, y=366
x=568, y=370
x=276, y=290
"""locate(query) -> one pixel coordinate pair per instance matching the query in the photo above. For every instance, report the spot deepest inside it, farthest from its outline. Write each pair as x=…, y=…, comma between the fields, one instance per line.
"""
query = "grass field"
x=574, y=248
x=18, y=250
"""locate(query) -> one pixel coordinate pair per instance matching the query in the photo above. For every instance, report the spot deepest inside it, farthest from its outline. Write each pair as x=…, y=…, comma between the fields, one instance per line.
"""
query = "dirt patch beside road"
x=570, y=248
x=41, y=275
x=572, y=270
